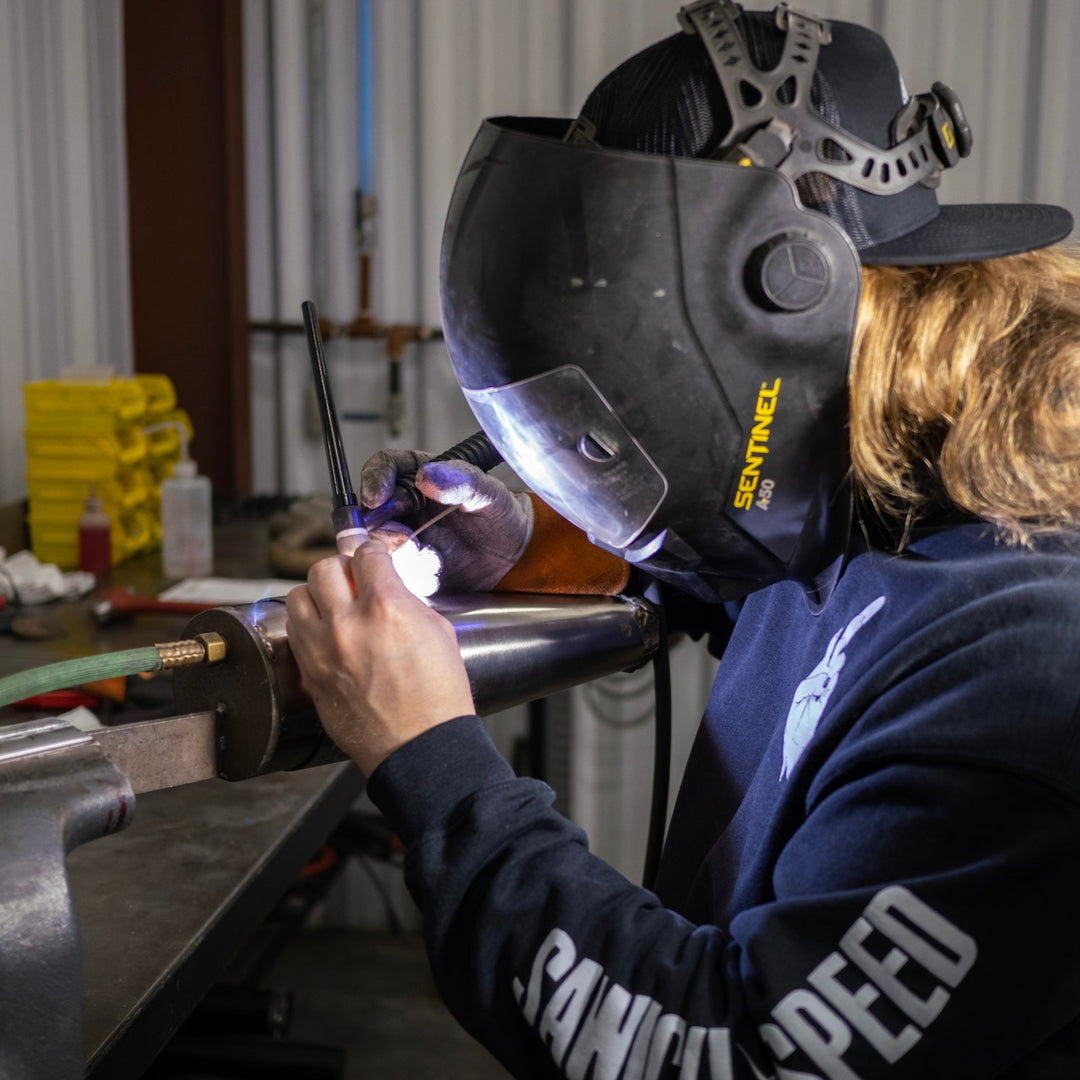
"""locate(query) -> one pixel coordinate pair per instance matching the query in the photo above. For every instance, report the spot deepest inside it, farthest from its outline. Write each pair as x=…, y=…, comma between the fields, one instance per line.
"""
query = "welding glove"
x=478, y=541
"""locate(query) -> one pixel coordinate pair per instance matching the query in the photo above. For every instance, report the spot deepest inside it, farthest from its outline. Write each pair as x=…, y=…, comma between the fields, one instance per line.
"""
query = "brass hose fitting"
x=204, y=648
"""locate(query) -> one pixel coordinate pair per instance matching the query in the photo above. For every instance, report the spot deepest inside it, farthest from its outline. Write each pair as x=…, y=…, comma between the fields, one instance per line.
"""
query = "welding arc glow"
x=262, y=604
x=418, y=567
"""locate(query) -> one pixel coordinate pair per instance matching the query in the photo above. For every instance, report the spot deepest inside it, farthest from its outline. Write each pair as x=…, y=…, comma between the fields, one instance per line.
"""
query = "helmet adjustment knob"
x=788, y=273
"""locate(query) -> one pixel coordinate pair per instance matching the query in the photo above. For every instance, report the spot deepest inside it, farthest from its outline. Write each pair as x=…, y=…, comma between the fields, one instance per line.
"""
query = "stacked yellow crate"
x=162, y=441
x=90, y=435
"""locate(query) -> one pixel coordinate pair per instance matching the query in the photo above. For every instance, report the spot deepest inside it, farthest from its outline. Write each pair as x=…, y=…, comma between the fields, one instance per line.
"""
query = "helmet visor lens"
x=565, y=441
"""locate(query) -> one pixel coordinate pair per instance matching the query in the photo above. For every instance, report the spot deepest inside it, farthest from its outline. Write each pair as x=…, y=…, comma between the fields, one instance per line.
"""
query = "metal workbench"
x=163, y=906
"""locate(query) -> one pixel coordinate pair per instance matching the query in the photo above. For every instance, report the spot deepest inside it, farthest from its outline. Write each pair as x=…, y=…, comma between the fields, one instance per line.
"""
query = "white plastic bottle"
x=187, y=540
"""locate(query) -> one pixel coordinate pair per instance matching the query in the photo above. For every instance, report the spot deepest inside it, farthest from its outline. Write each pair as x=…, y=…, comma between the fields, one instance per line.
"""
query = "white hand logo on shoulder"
x=813, y=693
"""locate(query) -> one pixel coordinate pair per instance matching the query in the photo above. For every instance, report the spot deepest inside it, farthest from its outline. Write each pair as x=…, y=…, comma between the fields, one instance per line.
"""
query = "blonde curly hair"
x=965, y=391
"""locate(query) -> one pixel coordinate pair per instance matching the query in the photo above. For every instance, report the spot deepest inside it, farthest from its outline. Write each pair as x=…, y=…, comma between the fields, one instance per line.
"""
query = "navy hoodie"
x=872, y=869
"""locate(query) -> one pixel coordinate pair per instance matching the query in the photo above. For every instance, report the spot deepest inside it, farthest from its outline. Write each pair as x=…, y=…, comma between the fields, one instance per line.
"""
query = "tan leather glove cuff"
x=560, y=559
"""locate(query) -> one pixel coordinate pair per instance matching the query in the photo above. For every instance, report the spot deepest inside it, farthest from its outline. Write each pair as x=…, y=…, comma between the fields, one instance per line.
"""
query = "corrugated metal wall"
x=1009, y=60
x=440, y=66
x=64, y=282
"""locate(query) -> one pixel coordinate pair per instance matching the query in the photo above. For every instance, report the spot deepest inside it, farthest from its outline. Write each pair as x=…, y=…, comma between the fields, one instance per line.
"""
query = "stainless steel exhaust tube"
x=516, y=648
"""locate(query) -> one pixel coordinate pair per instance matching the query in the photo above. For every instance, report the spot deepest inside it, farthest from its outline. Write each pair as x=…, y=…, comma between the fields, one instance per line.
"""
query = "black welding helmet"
x=650, y=310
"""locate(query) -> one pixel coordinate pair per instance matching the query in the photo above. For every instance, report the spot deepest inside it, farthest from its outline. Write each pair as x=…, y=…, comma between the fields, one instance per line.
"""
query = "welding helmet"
x=650, y=309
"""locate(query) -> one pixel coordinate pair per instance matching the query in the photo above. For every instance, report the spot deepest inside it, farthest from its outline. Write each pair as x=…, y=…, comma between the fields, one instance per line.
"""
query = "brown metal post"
x=183, y=99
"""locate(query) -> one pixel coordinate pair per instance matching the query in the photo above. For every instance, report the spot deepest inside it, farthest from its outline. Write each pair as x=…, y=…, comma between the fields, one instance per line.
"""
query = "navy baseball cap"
x=668, y=99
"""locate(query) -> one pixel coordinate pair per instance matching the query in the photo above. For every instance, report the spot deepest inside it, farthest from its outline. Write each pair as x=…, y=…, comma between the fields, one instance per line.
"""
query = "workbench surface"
x=163, y=906
x=240, y=551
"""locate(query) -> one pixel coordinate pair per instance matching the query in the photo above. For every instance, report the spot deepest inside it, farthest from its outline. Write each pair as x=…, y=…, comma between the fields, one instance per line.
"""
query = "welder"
x=724, y=331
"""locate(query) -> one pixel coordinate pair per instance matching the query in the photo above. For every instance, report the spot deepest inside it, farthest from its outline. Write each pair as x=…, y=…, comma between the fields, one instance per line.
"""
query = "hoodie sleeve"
x=918, y=923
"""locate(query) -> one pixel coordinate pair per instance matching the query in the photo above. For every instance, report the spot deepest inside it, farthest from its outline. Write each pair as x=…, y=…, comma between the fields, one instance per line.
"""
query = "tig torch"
x=351, y=523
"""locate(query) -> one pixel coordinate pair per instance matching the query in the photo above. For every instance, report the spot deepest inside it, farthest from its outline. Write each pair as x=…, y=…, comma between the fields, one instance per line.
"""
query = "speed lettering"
x=877, y=996
x=826, y=1020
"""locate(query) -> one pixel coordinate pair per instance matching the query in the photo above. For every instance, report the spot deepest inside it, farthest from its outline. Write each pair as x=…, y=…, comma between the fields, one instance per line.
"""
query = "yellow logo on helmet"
x=757, y=446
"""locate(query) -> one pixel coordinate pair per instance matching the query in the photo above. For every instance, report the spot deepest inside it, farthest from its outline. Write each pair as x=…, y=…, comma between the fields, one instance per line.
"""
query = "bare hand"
x=381, y=666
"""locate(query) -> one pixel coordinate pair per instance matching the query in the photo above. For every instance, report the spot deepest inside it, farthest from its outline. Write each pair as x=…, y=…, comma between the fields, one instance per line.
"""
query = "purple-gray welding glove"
x=478, y=541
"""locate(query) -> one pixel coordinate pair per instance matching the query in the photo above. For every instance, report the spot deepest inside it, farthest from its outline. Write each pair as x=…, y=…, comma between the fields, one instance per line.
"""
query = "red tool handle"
x=122, y=602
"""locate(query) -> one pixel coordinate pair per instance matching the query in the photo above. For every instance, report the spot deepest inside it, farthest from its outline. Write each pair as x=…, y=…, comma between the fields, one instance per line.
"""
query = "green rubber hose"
x=75, y=672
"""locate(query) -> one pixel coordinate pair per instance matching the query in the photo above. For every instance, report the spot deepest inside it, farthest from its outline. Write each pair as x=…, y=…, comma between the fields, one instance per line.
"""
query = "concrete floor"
x=373, y=995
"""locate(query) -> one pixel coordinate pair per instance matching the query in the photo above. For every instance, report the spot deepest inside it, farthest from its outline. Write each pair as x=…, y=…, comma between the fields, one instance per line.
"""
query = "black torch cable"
x=340, y=482
x=476, y=449
x=661, y=754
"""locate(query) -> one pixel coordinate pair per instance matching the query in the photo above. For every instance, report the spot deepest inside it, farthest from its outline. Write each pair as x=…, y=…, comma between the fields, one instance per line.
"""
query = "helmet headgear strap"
x=774, y=124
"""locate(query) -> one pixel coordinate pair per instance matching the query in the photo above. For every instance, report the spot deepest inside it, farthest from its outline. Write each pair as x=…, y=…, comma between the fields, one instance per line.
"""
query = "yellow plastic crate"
x=57, y=543
x=84, y=431
x=127, y=446
x=123, y=491
x=100, y=470
x=68, y=511
x=65, y=406
x=164, y=443
x=160, y=396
